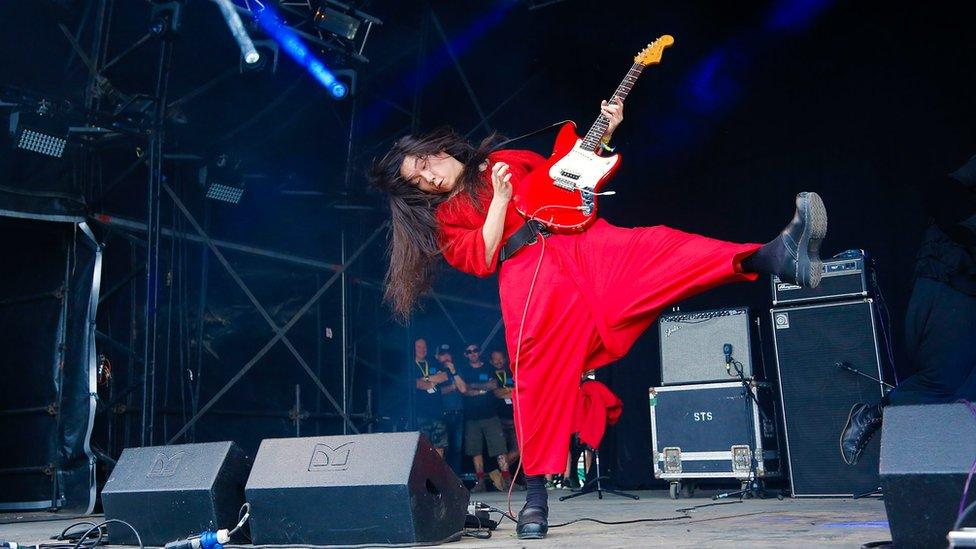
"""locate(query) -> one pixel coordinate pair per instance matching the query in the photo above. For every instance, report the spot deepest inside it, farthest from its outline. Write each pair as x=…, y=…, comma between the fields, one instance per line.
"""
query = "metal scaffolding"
x=145, y=251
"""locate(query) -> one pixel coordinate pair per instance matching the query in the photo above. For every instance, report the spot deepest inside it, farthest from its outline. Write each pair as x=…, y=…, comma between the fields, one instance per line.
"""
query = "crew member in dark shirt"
x=481, y=423
x=453, y=403
x=428, y=406
x=940, y=323
x=503, y=403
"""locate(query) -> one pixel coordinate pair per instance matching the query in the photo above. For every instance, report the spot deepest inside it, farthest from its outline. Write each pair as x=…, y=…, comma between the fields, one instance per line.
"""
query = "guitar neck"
x=599, y=128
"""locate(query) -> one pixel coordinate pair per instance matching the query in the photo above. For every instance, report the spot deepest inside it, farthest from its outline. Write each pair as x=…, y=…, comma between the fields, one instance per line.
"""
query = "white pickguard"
x=581, y=169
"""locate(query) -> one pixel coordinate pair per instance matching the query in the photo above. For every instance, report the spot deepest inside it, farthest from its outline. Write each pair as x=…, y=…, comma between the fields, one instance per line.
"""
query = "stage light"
x=268, y=51
x=336, y=22
x=298, y=51
x=222, y=180
x=165, y=19
x=224, y=193
x=39, y=131
x=248, y=51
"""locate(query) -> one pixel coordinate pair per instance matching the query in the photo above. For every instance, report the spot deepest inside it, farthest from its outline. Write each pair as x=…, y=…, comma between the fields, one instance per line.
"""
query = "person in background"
x=503, y=407
x=940, y=323
x=452, y=395
x=428, y=402
x=481, y=424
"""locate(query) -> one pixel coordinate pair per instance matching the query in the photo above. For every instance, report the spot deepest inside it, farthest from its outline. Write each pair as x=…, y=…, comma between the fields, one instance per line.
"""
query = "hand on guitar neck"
x=614, y=113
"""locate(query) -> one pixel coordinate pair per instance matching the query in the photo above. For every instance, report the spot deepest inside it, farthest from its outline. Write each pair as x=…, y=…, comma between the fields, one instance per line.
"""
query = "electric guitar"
x=562, y=193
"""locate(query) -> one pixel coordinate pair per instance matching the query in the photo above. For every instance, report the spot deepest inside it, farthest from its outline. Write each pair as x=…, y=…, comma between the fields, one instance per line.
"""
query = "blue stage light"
x=298, y=51
x=338, y=90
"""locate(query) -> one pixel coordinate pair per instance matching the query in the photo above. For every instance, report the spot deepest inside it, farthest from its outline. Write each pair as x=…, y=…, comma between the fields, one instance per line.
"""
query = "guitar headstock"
x=652, y=53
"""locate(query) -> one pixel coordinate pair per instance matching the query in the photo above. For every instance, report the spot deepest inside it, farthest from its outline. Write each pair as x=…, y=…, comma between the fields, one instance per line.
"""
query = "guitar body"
x=561, y=193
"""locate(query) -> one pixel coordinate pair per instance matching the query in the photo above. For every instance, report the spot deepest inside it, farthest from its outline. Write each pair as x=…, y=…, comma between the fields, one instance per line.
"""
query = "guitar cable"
x=515, y=365
x=518, y=353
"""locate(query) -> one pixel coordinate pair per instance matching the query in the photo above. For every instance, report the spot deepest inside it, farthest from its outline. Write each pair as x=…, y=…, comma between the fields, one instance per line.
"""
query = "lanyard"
x=426, y=368
x=502, y=376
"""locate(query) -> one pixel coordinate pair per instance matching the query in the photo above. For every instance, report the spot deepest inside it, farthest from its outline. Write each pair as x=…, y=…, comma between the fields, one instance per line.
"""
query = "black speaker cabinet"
x=926, y=453
x=817, y=395
x=356, y=489
x=171, y=492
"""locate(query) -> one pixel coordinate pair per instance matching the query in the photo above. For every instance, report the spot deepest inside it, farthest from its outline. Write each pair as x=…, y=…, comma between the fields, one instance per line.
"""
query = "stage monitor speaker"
x=692, y=345
x=172, y=492
x=816, y=394
x=926, y=454
x=387, y=488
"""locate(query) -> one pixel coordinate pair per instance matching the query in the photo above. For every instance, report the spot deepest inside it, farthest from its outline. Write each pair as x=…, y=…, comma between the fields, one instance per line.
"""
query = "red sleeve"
x=461, y=238
x=463, y=243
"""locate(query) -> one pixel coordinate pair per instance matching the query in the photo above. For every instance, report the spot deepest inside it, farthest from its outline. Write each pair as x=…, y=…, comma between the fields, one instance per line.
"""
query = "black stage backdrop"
x=47, y=342
x=861, y=101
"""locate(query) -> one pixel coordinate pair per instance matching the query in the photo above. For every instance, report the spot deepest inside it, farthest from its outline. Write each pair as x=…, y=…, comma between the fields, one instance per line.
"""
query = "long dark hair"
x=413, y=246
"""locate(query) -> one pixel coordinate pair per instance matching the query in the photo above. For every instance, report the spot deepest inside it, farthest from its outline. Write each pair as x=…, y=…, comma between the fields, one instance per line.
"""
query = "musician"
x=940, y=323
x=584, y=297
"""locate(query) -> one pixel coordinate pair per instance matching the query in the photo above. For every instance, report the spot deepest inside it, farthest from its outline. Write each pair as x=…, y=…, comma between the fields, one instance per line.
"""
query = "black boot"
x=794, y=256
x=863, y=421
x=533, y=520
x=533, y=523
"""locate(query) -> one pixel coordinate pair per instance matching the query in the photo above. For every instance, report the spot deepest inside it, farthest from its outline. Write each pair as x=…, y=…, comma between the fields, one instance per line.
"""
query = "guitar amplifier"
x=692, y=345
x=844, y=277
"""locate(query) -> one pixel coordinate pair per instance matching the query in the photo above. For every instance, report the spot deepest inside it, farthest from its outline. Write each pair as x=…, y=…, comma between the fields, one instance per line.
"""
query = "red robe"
x=594, y=294
x=596, y=408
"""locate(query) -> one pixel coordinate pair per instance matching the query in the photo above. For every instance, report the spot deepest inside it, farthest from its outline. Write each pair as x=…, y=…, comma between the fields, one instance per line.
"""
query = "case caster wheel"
x=675, y=490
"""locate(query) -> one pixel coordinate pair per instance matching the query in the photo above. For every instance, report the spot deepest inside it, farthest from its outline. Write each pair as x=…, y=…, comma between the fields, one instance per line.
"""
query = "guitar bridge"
x=564, y=184
x=566, y=180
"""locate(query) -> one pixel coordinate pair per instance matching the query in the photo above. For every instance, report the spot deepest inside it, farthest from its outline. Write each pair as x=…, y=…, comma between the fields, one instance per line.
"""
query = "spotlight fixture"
x=165, y=19
x=39, y=131
x=248, y=52
x=222, y=181
x=345, y=80
x=336, y=22
x=268, y=50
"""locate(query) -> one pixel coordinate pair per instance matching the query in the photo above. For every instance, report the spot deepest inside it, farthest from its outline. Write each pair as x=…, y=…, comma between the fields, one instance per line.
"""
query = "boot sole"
x=532, y=536
x=809, y=266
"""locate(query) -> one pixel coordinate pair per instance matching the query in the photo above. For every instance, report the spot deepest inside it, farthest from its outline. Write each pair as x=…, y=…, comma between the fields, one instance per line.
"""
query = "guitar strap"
x=527, y=233
x=527, y=135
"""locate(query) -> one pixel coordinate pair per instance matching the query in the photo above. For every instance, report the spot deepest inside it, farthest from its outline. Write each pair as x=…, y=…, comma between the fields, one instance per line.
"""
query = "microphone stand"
x=753, y=488
x=844, y=365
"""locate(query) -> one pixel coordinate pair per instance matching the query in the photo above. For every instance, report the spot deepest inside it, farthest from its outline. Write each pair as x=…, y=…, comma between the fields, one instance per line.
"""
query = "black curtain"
x=48, y=294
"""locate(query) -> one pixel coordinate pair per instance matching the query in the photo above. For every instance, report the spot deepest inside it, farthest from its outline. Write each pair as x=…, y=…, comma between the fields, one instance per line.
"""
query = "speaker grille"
x=817, y=395
x=691, y=345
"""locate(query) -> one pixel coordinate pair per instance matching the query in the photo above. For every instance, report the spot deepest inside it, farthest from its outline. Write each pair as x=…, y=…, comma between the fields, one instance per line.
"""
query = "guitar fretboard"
x=599, y=128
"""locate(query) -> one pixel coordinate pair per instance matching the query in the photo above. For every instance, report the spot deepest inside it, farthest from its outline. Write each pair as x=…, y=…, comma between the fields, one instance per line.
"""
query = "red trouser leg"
x=594, y=294
x=630, y=275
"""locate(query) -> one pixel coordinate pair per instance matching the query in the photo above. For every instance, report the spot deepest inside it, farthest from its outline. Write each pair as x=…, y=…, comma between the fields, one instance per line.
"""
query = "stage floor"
x=753, y=523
